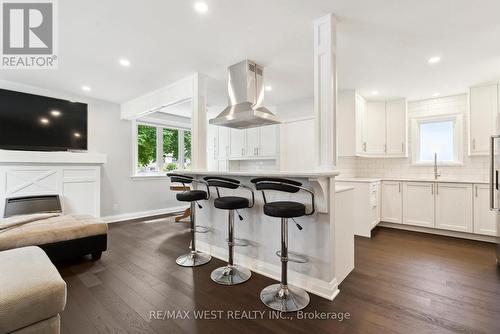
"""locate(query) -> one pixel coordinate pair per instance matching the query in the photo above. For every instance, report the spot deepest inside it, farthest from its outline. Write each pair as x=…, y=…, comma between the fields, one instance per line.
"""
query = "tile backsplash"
x=473, y=168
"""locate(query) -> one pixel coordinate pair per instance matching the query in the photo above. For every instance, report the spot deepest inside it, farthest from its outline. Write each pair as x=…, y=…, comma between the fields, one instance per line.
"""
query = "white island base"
x=327, y=243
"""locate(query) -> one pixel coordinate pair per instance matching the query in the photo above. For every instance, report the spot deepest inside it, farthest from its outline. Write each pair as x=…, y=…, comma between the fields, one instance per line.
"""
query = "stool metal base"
x=230, y=275
x=193, y=259
x=284, y=298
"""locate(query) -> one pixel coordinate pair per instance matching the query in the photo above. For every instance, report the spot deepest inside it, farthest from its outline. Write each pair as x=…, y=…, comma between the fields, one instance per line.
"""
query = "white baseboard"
x=455, y=234
x=328, y=290
x=142, y=214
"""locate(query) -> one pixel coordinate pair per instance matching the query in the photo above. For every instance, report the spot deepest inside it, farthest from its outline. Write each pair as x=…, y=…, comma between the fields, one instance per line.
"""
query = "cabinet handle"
x=437, y=189
x=227, y=150
x=242, y=151
x=399, y=186
x=402, y=147
x=476, y=190
x=474, y=144
x=364, y=146
x=432, y=189
x=385, y=148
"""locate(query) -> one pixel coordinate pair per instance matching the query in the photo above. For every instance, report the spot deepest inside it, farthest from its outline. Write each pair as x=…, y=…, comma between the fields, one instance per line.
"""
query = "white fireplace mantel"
x=74, y=176
x=34, y=157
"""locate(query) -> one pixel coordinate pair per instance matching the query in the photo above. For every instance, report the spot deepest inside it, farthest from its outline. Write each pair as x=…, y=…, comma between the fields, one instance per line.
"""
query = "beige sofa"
x=32, y=293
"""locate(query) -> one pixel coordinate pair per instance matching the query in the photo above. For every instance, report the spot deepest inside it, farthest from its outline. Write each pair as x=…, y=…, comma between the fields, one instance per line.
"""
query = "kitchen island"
x=325, y=241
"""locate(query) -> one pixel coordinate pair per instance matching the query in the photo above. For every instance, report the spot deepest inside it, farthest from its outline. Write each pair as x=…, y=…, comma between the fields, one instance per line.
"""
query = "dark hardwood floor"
x=404, y=282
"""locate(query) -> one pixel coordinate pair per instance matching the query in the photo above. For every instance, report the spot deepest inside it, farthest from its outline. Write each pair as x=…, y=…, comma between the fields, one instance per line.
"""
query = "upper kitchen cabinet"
x=351, y=112
x=483, y=118
x=376, y=121
x=268, y=144
x=371, y=128
x=237, y=143
x=396, y=127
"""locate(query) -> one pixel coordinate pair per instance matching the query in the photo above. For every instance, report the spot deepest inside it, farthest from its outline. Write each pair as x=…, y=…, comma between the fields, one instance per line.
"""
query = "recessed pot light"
x=55, y=113
x=124, y=62
x=44, y=120
x=434, y=60
x=375, y=92
x=86, y=88
x=76, y=134
x=268, y=88
x=201, y=7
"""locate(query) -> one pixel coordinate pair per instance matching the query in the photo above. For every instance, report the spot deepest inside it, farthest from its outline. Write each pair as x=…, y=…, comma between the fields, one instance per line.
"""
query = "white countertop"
x=304, y=174
x=402, y=179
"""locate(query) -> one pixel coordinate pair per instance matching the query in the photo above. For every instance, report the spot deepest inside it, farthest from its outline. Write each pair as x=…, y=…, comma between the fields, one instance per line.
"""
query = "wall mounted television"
x=39, y=123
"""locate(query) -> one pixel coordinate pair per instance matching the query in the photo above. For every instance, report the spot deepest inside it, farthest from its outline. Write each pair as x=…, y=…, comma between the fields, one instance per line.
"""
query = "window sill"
x=150, y=176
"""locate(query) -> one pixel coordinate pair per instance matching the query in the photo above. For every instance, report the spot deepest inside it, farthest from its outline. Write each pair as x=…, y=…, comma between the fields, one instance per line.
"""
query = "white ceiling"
x=383, y=45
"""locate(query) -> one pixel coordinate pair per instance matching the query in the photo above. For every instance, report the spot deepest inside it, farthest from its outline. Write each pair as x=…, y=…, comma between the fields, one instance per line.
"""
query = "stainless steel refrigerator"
x=494, y=186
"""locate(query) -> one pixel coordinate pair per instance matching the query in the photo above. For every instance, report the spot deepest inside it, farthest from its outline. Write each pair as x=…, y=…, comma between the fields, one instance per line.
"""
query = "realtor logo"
x=28, y=34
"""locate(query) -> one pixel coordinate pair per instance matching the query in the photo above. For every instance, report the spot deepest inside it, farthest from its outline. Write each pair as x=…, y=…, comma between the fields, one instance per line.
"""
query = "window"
x=437, y=135
x=161, y=149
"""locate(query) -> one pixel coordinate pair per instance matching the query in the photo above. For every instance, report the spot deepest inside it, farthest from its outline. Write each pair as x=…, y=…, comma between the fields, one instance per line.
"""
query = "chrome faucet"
x=436, y=173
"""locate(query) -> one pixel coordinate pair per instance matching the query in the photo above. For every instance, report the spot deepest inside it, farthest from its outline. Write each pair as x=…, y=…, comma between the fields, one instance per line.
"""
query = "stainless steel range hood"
x=246, y=93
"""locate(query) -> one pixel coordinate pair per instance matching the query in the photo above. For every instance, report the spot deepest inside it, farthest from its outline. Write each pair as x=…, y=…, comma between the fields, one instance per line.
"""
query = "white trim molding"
x=142, y=214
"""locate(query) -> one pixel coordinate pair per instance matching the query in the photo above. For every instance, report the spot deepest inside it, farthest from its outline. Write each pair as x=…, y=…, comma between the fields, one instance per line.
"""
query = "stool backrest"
x=222, y=182
x=276, y=183
x=180, y=178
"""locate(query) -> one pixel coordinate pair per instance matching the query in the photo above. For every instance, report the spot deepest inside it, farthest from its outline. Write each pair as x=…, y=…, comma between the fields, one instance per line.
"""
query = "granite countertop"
x=304, y=174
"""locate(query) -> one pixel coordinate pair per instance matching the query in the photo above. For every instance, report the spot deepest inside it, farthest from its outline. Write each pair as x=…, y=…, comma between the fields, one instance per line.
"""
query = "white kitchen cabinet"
x=375, y=128
x=237, y=145
x=252, y=142
x=268, y=141
x=396, y=127
x=454, y=206
x=350, y=119
x=392, y=202
x=484, y=218
x=483, y=117
x=222, y=142
x=418, y=204
x=366, y=205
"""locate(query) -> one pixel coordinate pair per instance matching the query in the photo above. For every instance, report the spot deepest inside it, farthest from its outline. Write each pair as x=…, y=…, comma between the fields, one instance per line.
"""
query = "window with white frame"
x=161, y=148
x=439, y=136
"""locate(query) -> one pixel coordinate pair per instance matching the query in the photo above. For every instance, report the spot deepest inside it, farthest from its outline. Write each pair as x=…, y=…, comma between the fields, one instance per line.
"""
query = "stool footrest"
x=294, y=257
x=201, y=229
x=239, y=242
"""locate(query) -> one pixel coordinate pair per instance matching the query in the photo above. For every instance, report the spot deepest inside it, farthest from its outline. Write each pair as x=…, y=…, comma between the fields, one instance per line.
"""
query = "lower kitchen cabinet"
x=418, y=204
x=484, y=218
x=392, y=202
x=454, y=207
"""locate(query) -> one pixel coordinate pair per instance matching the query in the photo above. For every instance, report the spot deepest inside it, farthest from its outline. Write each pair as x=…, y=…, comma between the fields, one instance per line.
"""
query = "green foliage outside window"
x=146, y=141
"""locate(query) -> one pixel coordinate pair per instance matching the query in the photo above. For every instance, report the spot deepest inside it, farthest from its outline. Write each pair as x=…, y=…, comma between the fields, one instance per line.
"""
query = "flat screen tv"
x=39, y=123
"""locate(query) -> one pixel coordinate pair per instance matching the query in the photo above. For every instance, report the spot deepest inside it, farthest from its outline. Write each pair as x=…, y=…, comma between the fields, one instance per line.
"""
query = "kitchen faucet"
x=436, y=173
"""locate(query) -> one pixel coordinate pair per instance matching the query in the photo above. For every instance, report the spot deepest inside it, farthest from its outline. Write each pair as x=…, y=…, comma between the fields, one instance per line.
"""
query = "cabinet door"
x=454, y=207
x=252, y=142
x=375, y=128
x=396, y=127
x=374, y=204
x=392, y=202
x=223, y=143
x=418, y=204
x=268, y=141
x=360, y=125
x=237, y=143
x=484, y=218
x=212, y=146
x=483, y=118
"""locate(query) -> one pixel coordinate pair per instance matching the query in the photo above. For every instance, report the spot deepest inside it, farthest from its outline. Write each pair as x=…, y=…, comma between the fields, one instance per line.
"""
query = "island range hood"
x=246, y=93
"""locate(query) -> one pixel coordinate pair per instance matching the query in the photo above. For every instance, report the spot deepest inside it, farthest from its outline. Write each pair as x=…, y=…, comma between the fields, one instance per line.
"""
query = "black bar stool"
x=230, y=274
x=282, y=297
x=193, y=258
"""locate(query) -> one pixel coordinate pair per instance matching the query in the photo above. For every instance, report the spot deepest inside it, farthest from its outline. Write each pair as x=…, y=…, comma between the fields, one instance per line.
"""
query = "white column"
x=325, y=92
x=199, y=123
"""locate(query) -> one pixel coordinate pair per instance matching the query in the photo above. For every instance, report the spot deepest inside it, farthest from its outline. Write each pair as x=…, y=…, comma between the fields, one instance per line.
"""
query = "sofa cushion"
x=31, y=289
x=49, y=230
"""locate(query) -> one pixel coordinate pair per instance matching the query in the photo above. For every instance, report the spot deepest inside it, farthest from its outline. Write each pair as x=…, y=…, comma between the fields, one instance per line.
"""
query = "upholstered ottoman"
x=32, y=293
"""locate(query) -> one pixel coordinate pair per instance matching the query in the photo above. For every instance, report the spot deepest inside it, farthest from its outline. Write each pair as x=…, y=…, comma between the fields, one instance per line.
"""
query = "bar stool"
x=230, y=274
x=282, y=297
x=193, y=258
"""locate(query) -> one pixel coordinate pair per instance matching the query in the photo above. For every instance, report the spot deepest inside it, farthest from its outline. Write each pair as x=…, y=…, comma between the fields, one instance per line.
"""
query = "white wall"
x=121, y=195
x=474, y=168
